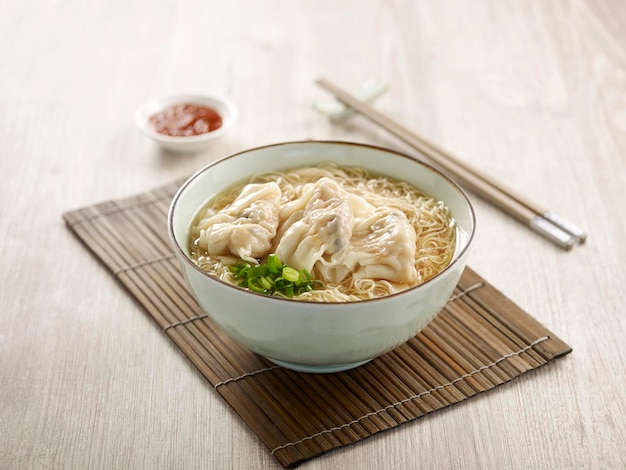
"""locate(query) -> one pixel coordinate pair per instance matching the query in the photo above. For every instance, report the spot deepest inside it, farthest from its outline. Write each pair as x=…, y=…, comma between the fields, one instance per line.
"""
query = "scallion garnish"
x=291, y=274
x=273, y=277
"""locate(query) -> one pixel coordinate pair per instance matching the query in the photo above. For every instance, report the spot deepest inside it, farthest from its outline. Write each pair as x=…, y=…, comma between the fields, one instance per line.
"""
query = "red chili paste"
x=186, y=119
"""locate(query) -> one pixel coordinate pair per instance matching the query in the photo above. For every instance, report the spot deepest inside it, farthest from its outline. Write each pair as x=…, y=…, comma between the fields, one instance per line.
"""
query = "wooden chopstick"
x=542, y=221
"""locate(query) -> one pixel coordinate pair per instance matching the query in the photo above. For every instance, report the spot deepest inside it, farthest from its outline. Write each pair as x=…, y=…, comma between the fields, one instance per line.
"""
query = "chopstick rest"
x=337, y=111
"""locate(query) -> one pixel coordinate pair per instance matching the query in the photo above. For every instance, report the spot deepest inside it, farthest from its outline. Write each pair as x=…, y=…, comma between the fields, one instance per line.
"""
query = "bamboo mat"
x=480, y=340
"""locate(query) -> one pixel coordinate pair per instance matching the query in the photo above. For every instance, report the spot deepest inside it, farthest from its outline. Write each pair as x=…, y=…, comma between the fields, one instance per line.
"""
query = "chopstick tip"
x=552, y=232
x=579, y=234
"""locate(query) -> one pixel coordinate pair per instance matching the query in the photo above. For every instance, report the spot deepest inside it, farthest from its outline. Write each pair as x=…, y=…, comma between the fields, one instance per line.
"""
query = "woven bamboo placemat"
x=480, y=340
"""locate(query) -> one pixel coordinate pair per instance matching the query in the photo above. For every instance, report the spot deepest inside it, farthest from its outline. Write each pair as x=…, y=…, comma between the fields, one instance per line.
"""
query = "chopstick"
x=546, y=223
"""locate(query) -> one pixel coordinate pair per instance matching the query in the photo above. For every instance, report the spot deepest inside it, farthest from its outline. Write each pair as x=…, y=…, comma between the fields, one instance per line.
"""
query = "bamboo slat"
x=480, y=340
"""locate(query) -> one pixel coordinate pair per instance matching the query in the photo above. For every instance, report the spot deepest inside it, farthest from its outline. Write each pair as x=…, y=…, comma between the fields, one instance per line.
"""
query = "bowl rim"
x=162, y=101
x=183, y=256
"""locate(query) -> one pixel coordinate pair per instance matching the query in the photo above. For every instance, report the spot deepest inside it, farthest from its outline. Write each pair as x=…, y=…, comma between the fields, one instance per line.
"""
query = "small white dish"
x=224, y=107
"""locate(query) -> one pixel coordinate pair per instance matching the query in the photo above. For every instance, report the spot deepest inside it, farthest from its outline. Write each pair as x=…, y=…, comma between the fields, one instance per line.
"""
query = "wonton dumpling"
x=245, y=227
x=383, y=247
x=317, y=226
x=337, y=270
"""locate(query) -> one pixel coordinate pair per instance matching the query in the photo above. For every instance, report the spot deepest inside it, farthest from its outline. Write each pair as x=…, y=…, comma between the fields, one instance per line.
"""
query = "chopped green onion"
x=289, y=290
x=255, y=285
x=273, y=277
x=273, y=264
x=291, y=274
x=266, y=282
x=256, y=271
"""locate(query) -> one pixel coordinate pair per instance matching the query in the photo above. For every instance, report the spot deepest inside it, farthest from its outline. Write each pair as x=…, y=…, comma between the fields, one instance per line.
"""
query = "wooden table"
x=532, y=93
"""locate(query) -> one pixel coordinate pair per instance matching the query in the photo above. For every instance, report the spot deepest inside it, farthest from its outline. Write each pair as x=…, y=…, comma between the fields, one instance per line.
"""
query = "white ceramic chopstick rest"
x=337, y=111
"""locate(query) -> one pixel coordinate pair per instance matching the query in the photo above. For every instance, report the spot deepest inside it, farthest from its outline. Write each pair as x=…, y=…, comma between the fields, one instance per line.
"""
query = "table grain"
x=532, y=93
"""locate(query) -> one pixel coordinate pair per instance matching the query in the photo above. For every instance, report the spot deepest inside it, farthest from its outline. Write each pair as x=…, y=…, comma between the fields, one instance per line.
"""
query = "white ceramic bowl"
x=225, y=108
x=318, y=337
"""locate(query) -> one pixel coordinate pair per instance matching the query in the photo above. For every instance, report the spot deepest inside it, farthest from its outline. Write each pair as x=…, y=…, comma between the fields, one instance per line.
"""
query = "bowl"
x=194, y=143
x=309, y=336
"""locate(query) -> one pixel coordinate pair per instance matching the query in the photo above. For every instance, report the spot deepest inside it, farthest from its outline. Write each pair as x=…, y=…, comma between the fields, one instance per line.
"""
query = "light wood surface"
x=533, y=93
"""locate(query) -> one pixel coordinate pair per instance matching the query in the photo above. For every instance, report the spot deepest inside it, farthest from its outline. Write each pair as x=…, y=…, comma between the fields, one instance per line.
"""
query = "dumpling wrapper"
x=317, y=226
x=246, y=227
x=340, y=233
x=383, y=247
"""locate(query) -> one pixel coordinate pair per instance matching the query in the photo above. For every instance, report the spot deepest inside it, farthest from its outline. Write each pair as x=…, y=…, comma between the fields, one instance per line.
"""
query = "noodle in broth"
x=389, y=213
